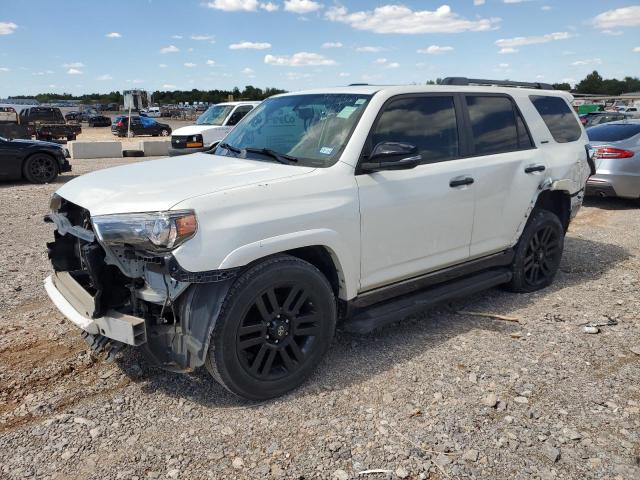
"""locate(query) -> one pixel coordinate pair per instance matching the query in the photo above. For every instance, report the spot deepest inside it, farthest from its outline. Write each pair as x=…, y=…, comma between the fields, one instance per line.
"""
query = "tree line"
x=592, y=83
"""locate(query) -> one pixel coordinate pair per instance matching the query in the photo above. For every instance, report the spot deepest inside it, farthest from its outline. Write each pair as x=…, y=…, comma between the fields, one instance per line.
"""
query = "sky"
x=81, y=46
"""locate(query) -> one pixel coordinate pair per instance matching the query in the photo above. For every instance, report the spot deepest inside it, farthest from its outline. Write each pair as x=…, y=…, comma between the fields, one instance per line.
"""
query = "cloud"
x=435, y=50
x=74, y=71
x=590, y=61
x=177, y=37
x=190, y=65
x=211, y=63
x=45, y=72
x=201, y=38
x=113, y=35
x=380, y=61
x=636, y=50
x=520, y=41
x=332, y=45
x=301, y=6
x=344, y=74
x=5, y=69
x=104, y=77
x=73, y=65
x=393, y=65
x=477, y=3
x=250, y=46
x=613, y=33
x=300, y=59
x=507, y=50
x=241, y=5
x=169, y=86
x=503, y=65
x=162, y=65
x=370, y=49
x=7, y=28
x=545, y=8
x=170, y=49
x=297, y=75
x=248, y=71
x=620, y=17
x=401, y=19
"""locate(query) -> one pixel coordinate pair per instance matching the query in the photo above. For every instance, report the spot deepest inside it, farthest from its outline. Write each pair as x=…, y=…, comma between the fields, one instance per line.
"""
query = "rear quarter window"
x=558, y=116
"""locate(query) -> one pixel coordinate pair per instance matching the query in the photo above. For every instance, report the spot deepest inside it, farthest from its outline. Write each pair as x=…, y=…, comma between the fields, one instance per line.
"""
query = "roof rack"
x=498, y=83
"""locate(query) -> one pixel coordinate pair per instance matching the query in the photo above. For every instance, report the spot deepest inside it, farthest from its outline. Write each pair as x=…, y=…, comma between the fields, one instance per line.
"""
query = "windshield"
x=613, y=132
x=313, y=128
x=215, y=115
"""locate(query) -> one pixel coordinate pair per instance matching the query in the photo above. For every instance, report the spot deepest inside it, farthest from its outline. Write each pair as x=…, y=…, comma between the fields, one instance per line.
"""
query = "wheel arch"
x=28, y=155
x=322, y=248
x=557, y=202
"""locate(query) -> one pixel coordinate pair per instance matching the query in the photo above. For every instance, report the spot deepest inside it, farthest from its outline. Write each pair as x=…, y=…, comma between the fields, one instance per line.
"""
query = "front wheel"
x=40, y=168
x=164, y=132
x=538, y=253
x=276, y=323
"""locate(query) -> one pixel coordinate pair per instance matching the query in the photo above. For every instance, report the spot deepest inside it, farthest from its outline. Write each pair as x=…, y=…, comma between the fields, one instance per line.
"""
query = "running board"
x=378, y=316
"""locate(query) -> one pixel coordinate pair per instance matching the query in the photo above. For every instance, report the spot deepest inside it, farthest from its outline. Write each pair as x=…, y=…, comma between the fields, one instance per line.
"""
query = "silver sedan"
x=615, y=148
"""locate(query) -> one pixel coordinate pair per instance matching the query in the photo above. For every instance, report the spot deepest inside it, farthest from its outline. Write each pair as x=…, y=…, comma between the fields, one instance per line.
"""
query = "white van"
x=153, y=112
x=210, y=127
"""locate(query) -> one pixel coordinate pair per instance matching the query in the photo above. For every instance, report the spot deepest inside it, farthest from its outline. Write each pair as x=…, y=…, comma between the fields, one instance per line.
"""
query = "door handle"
x=460, y=181
x=535, y=168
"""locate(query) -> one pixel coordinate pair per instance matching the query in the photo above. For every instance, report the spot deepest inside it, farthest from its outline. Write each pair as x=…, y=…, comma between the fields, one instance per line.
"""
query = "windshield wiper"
x=280, y=157
x=231, y=148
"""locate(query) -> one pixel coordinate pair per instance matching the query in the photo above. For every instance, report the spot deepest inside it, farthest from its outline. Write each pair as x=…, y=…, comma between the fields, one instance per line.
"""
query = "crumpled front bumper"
x=75, y=303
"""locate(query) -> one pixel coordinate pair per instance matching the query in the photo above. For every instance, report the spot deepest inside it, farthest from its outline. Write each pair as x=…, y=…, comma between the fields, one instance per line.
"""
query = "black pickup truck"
x=47, y=123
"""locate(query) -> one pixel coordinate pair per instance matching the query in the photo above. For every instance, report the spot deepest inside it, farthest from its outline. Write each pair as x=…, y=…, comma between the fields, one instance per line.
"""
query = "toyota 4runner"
x=360, y=204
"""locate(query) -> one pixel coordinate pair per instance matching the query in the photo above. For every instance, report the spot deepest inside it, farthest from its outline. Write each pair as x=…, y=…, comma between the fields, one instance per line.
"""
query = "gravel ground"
x=442, y=395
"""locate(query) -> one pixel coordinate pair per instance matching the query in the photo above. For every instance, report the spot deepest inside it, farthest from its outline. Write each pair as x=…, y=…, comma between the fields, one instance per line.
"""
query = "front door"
x=418, y=220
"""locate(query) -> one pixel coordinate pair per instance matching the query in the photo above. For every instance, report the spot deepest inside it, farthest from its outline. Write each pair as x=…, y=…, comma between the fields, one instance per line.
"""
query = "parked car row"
x=139, y=126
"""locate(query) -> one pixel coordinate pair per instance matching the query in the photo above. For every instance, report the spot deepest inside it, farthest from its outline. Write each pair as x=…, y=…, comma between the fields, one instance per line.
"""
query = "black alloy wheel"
x=40, y=168
x=542, y=256
x=538, y=252
x=275, y=324
x=278, y=331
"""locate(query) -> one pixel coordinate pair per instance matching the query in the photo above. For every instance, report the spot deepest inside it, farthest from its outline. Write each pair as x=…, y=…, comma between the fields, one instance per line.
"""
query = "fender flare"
x=348, y=270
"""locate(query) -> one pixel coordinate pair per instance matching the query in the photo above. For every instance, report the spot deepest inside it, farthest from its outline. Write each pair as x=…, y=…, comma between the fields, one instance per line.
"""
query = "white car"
x=360, y=204
x=152, y=112
x=210, y=128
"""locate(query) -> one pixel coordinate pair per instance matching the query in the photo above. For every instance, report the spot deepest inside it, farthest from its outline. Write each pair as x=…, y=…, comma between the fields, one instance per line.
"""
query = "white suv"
x=360, y=204
x=210, y=127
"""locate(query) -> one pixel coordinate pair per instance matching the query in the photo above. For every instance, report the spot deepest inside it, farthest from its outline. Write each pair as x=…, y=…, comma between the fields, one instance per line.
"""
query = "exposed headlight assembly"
x=152, y=231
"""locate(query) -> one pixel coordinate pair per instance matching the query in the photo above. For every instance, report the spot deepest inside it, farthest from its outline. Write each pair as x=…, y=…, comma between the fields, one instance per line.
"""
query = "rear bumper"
x=174, y=152
x=75, y=303
x=606, y=185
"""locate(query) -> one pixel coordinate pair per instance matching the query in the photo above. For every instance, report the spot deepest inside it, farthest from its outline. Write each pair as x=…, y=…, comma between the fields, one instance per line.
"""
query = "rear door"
x=508, y=170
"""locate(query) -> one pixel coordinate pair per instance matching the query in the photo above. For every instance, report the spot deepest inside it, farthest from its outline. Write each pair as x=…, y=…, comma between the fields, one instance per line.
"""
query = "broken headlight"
x=153, y=231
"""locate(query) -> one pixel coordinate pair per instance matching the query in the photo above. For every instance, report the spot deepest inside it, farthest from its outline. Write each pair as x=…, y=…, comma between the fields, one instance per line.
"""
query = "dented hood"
x=160, y=184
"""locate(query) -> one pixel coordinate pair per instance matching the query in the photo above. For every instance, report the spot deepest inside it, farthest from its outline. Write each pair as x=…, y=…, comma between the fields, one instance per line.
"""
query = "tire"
x=70, y=138
x=40, y=168
x=260, y=350
x=538, y=253
x=133, y=153
x=164, y=132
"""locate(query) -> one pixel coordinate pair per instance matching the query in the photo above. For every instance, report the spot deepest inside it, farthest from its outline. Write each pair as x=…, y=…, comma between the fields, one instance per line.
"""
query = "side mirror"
x=392, y=156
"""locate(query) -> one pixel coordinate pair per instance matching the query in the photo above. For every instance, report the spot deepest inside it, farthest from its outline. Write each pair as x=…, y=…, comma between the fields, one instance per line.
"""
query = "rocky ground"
x=443, y=395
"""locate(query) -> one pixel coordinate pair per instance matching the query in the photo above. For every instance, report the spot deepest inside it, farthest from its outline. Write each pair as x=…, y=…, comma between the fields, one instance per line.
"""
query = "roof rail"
x=498, y=83
x=358, y=85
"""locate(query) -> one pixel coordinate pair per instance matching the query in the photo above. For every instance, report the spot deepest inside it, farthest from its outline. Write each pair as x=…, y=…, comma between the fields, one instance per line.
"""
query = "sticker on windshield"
x=346, y=112
x=326, y=150
x=360, y=101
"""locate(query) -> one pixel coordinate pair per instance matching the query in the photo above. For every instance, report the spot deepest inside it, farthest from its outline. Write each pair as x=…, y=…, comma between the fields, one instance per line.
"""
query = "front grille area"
x=85, y=262
x=180, y=141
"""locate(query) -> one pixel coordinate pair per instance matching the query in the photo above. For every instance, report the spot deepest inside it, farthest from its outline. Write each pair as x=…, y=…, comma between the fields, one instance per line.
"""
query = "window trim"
x=368, y=143
x=516, y=111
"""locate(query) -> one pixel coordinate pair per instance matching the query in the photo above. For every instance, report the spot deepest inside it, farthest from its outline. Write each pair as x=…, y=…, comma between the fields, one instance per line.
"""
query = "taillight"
x=611, y=152
x=120, y=124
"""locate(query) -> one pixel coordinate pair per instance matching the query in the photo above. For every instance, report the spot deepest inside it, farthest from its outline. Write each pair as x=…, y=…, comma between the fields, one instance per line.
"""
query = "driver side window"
x=238, y=114
x=427, y=122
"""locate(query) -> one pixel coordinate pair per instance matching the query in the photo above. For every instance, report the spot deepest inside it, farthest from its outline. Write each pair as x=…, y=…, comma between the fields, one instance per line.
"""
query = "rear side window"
x=427, y=122
x=558, y=117
x=496, y=125
x=613, y=132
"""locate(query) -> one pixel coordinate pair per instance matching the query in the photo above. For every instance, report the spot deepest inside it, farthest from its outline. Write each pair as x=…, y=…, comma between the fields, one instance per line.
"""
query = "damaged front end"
x=116, y=278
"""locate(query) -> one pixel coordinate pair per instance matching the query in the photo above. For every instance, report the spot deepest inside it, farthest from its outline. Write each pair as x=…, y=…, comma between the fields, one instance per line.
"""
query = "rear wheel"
x=276, y=323
x=40, y=168
x=538, y=253
x=164, y=132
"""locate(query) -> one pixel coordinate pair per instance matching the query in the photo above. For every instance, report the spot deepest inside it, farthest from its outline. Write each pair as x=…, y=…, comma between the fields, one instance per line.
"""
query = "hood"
x=195, y=129
x=37, y=143
x=160, y=184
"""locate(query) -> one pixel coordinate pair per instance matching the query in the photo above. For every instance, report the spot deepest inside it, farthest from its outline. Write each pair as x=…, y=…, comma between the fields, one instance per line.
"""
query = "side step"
x=378, y=316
